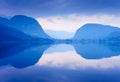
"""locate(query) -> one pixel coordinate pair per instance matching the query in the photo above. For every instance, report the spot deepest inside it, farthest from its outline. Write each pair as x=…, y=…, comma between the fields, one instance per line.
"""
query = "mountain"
x=114, y=36
x=94, y=31
x=4, y=21
x=114, y=40
x=59, y=34
x=28, y=25
x=97, y=41
x=11, y=34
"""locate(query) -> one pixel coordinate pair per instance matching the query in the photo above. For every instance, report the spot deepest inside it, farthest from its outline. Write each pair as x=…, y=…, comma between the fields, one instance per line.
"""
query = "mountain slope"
x=4, y=21
x=94, y=31
x=28, y=25
x=11, y=34
x=59, y=34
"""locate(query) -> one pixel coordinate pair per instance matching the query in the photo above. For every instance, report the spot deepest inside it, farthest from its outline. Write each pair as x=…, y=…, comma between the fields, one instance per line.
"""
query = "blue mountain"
x=94, y=31
x=114, y=36
x=4, y=21
x=11, y=34
x=114, y=40
x=59, y=34
x=97, y=41
x=28, y=25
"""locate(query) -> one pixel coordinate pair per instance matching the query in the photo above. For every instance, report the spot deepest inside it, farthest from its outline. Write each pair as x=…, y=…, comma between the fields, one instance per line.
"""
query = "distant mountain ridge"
x=94, y=31
x=11, y=34
x=27, y=25
x=22, y=28
x=59, y=34
x=31, y=27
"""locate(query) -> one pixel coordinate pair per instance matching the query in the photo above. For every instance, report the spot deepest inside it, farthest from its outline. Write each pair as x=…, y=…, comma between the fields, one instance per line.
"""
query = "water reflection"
x=21, y=55
x=71, y=60
x=60, y=63
x=98, y=50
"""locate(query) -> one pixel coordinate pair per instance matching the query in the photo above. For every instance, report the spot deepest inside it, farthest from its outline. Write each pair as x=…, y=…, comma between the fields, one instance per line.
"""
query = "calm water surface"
x=60, y=63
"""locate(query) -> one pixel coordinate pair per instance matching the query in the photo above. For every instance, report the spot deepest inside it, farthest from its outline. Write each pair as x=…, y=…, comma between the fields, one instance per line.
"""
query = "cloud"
x=70, y=23
x=71, y=60
x=37, y=8
x=32, y=7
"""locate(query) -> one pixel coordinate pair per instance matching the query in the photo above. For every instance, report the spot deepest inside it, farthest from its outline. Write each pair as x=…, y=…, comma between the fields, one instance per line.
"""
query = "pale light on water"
x=59, y=63
x=72, y=60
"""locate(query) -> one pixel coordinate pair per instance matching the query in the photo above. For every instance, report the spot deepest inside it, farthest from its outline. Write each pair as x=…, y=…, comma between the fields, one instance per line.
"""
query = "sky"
x=61, y=15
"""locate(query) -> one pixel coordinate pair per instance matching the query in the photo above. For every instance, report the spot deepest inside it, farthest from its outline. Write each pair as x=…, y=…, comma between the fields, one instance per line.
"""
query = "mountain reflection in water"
x=64, y=62
x=15, y=54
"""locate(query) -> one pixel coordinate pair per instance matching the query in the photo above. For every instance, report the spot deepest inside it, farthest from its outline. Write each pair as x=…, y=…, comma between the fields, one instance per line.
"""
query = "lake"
x=80, y=62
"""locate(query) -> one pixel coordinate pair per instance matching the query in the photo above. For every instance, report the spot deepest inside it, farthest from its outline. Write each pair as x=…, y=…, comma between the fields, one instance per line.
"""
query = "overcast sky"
x=64, y=14
x=39, y=8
